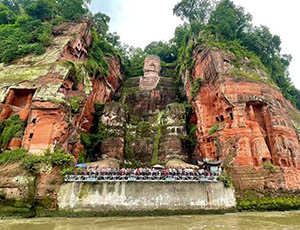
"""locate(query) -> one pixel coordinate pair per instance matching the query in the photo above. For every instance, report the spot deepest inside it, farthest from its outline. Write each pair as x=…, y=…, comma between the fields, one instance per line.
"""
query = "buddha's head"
x=152, y=66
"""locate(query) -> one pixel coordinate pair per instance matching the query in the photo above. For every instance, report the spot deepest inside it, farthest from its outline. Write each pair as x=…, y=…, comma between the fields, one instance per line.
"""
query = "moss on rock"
x=74, y=103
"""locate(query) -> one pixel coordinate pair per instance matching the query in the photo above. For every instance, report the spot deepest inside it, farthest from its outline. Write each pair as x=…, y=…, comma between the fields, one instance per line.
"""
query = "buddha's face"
x=152, y=65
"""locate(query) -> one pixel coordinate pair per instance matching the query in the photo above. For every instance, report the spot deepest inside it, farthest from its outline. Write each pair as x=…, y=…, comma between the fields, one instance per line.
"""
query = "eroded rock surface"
x=53, y=93
x=241, y=115
x=17, y=187
x=147, y=120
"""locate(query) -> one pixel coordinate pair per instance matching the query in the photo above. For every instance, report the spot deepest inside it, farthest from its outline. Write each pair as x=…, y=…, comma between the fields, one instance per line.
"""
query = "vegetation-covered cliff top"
x=228, y=27
x=35, y=35
x=26, y=72
x=25, y=27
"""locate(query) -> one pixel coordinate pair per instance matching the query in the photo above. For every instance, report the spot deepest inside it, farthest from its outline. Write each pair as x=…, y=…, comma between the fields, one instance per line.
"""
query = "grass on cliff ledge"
x=9, y=157
x=31, y=162
x=10, y=128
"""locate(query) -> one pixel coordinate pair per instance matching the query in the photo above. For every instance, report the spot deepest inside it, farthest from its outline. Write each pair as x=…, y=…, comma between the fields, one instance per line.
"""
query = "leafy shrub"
x=60, y=158
x=213, y=129
x=24, y=37
x=195, y=88
x=67, y=171
x=12, y=156
x=268, y=165
x=255, y=201
x=96, y=63
x=10, y=128
x=6, y=15
x=74, y=103
x=92, y=142
x=81, y=158
x=226, y=179
x=58, y=20
x=32, y=162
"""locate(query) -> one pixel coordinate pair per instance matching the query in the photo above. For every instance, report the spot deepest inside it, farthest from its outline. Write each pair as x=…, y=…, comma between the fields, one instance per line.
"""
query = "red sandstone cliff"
x=241, y=116
x=44, y=89
x=243, y=119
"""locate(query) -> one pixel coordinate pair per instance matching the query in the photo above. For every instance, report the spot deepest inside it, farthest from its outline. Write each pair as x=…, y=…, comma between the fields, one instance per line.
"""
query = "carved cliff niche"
x=20, y=97
x=17, y=101
x=258, y=112
x=260, y=143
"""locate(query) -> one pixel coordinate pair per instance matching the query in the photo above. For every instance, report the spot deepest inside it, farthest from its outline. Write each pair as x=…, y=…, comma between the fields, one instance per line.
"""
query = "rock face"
x=147, y=121
x=241, y=116
x=54, y=93
x=17, y=187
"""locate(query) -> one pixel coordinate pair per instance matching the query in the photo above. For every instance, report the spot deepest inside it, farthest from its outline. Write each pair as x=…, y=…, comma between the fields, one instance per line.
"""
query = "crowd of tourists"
x=144, y=174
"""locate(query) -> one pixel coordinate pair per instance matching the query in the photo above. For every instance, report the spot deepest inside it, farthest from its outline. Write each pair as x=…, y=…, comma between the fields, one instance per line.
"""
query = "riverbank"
x=284, y=202
x=36, y=212
x=251, y=200
x=246, y=205
x=231, y=221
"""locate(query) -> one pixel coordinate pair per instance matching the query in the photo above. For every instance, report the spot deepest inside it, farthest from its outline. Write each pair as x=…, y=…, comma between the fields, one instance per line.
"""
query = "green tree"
x=133, y=61
x=165, y=50
x=72, y=9
x=114, y=39
x=24, y=37
x=6, y=15
x=228, y=21
x=195, y=10
x=181, y=35
x=42, y=9
x=12, y=5
x=101, y=23
x=262, y=42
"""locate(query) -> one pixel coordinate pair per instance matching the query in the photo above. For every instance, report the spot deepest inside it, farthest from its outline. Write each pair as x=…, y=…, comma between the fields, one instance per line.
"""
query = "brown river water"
x=240, y=221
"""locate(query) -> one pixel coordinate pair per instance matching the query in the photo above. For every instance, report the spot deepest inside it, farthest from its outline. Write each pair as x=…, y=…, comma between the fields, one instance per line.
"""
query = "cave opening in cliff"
x=258, y=110
x=264, y=159
x=68, y=84
x=22, y=97
x=222, y=118
x=268, y=144
x=229, y=113
x=284, y=163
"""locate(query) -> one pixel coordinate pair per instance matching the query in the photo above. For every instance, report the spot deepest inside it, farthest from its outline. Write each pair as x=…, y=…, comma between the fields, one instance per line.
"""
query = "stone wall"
x=144, y=196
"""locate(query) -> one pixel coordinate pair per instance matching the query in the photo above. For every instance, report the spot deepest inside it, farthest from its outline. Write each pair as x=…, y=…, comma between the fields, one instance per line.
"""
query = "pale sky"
x=139, y=22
